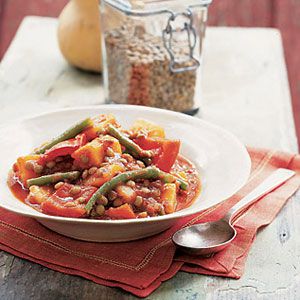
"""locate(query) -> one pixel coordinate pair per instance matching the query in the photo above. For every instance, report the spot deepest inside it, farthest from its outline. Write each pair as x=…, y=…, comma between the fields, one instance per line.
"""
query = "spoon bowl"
x=211, y=237
x=205, y=238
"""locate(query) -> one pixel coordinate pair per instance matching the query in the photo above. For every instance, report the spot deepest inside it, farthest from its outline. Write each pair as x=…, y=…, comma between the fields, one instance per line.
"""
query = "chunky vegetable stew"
x=97, y=169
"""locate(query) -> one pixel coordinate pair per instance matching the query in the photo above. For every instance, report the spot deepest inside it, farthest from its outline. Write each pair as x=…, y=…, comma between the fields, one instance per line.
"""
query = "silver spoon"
x=212, y=237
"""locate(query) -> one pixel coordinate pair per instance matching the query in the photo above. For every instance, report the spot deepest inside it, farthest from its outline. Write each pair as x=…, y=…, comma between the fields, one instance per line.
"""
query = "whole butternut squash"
x=79, y=34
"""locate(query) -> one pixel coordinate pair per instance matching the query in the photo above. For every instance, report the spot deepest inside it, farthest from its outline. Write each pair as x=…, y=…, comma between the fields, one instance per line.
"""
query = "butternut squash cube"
x=92, y=154
x=168, y=197
x=100, y=124
x=103, y=175
x=25, y=170
x=150, y=128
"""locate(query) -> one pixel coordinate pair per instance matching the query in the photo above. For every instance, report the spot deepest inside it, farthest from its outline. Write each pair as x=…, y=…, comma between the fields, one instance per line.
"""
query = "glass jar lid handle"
x=191, y=36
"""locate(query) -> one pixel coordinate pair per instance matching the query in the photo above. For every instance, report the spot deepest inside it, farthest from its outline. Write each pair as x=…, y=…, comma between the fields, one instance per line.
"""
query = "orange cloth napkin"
x=150, y=261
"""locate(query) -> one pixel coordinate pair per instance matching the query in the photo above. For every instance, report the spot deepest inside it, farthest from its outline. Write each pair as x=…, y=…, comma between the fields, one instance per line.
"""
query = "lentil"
x=142, y=215
x=138, y=201
x=155, y=193
x=50, y=164
x=117, y=202
x=128, y=157
x=38, y=169
x=92, y=170
x=102, y=200
x=145, y=190
x=75, y=190
x=85, y=174
x=140, y=163
x=58, y=185
x=100, y=209
x=130, y=183
x=138, y=71
x=81, y=200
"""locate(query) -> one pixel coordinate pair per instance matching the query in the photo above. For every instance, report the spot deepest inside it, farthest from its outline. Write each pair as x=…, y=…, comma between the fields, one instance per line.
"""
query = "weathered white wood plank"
x=245, y=86
x=245, y=90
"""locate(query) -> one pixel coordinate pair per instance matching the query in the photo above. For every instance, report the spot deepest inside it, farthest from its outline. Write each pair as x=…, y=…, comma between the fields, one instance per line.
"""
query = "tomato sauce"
x=184, y=198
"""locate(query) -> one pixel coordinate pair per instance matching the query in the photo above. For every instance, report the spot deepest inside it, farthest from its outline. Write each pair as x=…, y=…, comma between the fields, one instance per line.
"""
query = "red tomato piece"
x=64, y=193
x=58, y=209
x=64, y=148
x=166, y=154
x=63, y=203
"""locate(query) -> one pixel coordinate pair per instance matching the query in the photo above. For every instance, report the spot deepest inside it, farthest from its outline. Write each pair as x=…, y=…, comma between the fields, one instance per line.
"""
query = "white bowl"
x=222, y=161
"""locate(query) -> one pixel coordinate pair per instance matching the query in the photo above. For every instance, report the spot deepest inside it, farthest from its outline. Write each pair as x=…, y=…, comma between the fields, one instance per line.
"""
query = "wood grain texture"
x=253, y=101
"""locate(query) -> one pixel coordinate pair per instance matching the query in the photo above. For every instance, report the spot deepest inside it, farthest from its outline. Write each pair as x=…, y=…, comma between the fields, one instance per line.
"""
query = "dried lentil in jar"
x=138, y=69
x=153, y=51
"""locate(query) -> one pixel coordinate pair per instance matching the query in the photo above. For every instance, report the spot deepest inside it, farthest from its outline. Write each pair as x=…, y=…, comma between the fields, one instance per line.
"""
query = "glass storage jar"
x=152, y=52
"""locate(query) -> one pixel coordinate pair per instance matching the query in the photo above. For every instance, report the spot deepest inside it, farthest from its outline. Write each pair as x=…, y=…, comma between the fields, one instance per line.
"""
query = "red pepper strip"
x=166, y=151
x=64, y=148
x=63, y=204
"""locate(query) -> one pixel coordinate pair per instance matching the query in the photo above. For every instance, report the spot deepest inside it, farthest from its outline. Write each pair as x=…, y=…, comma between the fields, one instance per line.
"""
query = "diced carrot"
x=100, y=124
x=127, y=194
x=107, y=173
x=150, y=128
x=168, y=197
x=93, y=153
x=24, y=171
x=124, y=211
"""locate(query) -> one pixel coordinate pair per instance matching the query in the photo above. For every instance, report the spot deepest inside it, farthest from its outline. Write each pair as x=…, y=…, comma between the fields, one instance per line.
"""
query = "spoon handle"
x=270, y=183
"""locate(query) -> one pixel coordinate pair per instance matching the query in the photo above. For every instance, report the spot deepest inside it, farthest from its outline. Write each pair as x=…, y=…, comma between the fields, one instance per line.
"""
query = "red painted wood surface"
x=13, y=11
x=282, y=14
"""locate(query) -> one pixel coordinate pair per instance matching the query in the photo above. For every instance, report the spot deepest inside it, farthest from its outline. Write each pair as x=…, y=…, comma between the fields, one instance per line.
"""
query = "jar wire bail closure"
x=167, y=36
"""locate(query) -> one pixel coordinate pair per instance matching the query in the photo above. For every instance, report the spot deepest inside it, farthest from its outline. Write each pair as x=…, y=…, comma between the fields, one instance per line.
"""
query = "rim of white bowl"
x=178, y=214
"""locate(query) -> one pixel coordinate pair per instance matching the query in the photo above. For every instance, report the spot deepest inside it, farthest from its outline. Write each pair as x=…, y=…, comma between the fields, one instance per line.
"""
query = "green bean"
x=169, y=178
x=131, y=147
x=147, y=173
x=53, y=178
x=68, y=134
